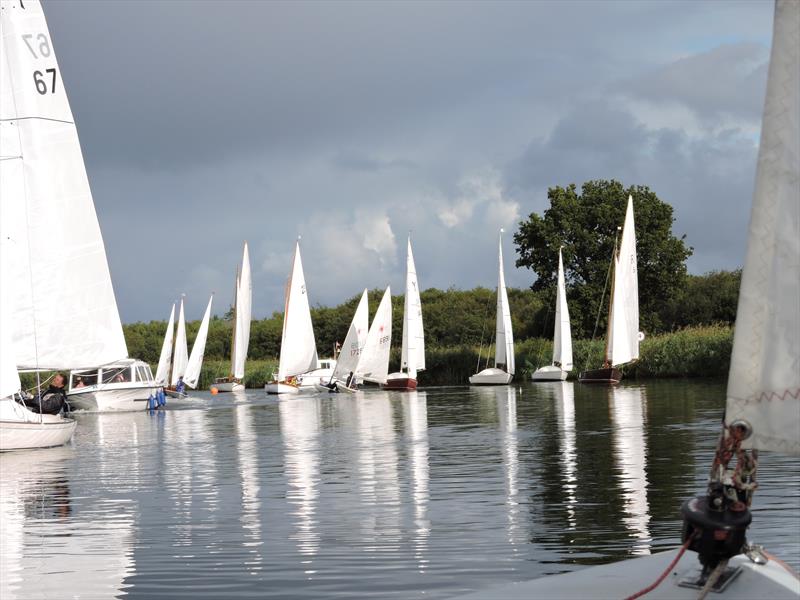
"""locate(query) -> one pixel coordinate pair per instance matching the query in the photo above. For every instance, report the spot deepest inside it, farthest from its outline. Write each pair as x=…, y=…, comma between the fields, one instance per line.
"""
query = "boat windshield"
x=117, y=374
x=79, y=379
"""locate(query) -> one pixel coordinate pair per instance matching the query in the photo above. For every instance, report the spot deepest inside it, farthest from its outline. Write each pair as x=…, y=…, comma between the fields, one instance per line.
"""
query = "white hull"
x=624, y=578
x=111, y=397
x=340, y=388
x=274, y=387
x=229, y=386
x=312, y=378
x=549, y=373
x=54, y=430
x=491, y=376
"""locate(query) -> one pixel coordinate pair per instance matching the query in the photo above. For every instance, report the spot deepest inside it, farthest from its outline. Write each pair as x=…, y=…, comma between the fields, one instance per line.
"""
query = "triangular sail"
x=181, y=356
x=244, y=302
x=162, y=372
x=504, y=342
x=562, y=338
x=354, y=341
x=374, y=363
x=298, y=347
x=624, y=330
x=764, y=380
x=413, y=350
x=192, y=375
x=65, y=314
x=9, y=377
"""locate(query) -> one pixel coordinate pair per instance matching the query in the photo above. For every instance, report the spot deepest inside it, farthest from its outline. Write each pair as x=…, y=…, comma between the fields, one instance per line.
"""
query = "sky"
x=351, y=124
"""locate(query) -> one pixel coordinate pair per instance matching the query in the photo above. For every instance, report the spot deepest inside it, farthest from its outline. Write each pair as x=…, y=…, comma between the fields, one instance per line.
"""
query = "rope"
x=600, y=310
x=713, y=578
x=671, y=566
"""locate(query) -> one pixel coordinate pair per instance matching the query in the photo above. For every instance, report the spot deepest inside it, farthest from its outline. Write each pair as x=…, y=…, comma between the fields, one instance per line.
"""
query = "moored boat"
x=242, y=309
x=122, y=385
x=562, y=336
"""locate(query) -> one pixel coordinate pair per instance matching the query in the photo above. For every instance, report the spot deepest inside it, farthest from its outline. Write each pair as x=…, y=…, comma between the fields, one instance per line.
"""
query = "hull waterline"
x=111, y=399
x=400, y=382
x=549, y=373
x=16, y=435
x=606, y=376
x=491, y=376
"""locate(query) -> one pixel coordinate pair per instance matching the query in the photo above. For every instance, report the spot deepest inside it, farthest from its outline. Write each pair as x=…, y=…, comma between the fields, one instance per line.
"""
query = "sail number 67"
x=41, y=82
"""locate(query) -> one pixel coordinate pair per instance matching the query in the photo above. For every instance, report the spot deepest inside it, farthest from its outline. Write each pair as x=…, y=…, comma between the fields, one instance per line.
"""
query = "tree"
x=586, y=226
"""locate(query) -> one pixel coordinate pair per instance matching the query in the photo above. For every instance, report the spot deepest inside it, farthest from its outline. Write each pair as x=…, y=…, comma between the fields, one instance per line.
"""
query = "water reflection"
x=506, y=399
x=247, y=452
x=415, y=415
x=565, y=408
x=627, y=406
x=300, y=429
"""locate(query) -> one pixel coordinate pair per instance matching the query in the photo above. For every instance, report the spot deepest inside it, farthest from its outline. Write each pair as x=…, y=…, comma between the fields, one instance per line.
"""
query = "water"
x=381, y=495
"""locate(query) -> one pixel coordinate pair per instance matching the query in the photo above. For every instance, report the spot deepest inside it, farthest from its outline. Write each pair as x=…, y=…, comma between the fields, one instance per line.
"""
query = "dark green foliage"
x=706, y=299
x=585, y=224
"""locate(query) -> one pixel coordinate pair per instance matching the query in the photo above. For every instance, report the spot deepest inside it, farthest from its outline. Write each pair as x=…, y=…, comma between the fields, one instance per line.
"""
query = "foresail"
x=181, y=356
x=504, y=341
x=192, y=375
x=354, y=341
x=162, y=372
x=562, y=338
x=764, y=379
x=624, y=341
x=374, y=363
x=244, y=302
x=46, y=210
x=298, y=347
x=413, y=349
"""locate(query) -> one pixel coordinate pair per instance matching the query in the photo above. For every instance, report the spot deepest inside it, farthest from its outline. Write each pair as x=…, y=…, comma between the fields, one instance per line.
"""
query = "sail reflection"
x=628, y=408
x=300, y=420
x=506, y=399
x=565, y=407
x=247, y=450
x=415, y=415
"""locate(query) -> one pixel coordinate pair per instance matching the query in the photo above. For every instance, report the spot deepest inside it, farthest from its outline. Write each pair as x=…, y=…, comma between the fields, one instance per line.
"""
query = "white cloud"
x=479, y=193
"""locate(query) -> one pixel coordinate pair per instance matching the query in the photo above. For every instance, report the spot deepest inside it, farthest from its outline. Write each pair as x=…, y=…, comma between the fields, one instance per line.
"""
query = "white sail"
x=354, y=341
x=65, y=314
x=162, y=372
x=181, y=356
x=504, y=342
x=413, y=352
x=624, y=331
x=192, y=375
x=9, y=377
x=298, y=347
x=244, y=303
x=764, y=380
x=374, y=363
x=562, y=338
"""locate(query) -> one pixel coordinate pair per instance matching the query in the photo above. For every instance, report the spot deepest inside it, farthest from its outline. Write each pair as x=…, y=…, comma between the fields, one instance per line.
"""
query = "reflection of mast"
x=565, y=406
x=248, y=469
x=507, y=415
x=300, y=426
x=415, y=413
x=630, y=454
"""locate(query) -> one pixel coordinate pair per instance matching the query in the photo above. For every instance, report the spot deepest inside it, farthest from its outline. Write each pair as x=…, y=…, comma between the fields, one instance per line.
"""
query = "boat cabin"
x=127, y=371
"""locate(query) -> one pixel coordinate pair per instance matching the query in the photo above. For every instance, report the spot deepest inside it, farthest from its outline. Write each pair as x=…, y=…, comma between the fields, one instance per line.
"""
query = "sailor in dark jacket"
x=52, y=401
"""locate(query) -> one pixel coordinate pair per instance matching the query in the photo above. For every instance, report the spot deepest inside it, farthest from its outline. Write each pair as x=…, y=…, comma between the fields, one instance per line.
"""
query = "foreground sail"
x=242, y=312
x=343, y=378
x=373, y=366
x=413, y=350
x=504, y=337
x=562, y=336
x=622, y=337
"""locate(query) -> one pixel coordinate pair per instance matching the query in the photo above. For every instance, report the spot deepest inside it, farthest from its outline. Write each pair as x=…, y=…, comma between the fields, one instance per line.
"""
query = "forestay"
x=764, y=380
x=374, y=363
x=244, y=302
x=298, y=347
x=413, y=349
x=504, y=345
x=354, y=341
x=181, y=356
x=624, y=331
x=192, y=375
x=65, y=314
x=162, y=372
x=562, y=339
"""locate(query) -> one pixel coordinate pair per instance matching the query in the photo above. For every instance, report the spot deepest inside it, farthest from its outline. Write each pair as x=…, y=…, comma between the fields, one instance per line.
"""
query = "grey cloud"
x=355, y=161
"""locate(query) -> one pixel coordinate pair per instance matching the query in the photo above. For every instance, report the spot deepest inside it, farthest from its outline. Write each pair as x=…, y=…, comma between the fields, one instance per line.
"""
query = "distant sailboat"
x=373, y=366
x=413, y=352
x=194, y=366
x=350, y=354
x=562, y=336
x=298, y=347
x=622, y=338
x=185, y=368
x=504, y=337
x=242, y=311
x=165, y=358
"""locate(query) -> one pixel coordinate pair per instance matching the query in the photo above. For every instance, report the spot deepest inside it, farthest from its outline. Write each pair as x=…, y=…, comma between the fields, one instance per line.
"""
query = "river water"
x=377, y=495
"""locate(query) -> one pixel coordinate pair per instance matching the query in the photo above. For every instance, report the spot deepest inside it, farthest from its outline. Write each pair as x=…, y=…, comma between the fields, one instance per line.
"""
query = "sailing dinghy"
x=413, y=352
x=504, y=336
x=347, y=363
x=622, y=337
x=242, y=310
x=762, y=412
x=562, y=336
x=373, y=365
x=185, y=369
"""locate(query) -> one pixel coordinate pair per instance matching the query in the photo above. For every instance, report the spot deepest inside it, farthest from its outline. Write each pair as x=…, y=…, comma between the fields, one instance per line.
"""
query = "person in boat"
x=79, y=383
x=52, y=401
x=180, y=387
x=351, y=380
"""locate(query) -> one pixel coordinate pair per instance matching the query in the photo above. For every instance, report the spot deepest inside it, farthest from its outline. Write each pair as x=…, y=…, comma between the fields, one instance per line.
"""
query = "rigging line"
x=600, y=310
x=11, y=157
x=483, y=331
x=37, y=119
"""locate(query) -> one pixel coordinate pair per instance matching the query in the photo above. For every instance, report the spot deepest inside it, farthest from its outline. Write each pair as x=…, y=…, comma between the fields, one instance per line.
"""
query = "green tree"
x=585, y=225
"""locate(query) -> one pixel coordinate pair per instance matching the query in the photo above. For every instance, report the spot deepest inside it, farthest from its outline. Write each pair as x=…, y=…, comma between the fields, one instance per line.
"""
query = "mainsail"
x=162, y=372
x=504, y=344
x=623, y=341
x=192, y=375
x=64, y=311
x=374, y=363
x=562, y=338
x=9, y=377
x=413, y=350
x=354, y=341
x=764, y=379
x=298, y=347
x=181, y=356
x=244, y=302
